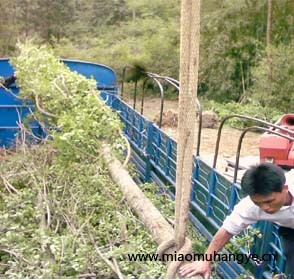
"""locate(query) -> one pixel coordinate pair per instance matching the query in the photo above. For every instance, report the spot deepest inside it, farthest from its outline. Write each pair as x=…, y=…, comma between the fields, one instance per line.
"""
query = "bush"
x=253, y=109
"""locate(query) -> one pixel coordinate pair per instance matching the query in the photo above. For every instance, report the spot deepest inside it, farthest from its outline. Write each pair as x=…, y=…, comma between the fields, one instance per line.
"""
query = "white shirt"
x=246, y=212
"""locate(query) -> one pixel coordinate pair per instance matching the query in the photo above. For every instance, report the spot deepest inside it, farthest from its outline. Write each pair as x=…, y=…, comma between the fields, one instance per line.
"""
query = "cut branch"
x=14, y=255
x=107, y=261
x=160, y=229
x=162, y=232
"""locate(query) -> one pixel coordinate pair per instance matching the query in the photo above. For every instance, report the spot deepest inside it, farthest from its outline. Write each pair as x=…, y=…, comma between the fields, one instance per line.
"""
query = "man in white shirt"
x=269, y=197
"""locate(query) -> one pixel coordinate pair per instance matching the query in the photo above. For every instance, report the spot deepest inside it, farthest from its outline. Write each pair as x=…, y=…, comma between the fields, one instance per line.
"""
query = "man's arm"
x=219, y=240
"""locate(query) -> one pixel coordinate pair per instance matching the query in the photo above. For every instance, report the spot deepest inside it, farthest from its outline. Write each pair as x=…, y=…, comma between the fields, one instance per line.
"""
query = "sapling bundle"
x=66, y=100
x=60, y=213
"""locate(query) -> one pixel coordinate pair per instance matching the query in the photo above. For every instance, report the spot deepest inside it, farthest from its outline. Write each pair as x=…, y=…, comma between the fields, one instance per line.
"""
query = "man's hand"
x=204, y=267
x=199, y=267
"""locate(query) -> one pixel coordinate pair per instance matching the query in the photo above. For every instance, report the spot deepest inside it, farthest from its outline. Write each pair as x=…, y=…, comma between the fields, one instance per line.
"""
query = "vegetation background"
x=246, y=55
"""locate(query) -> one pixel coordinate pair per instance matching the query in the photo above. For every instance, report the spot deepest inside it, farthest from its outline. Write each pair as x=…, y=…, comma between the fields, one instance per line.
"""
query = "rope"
x=189, y=61
x=129, y=150
x=168, y=245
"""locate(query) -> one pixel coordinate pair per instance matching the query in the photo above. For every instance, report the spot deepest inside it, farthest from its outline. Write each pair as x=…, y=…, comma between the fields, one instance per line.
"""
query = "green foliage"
x=152, y=42
x=71, y=98
x=125, y=32
x=233, y=37
x=153, y=8
x=58, y=206
x=61, y=215
x=244, y=241
x=81, y=201
x=252, y=109
x=233, y=44
x=279, y=92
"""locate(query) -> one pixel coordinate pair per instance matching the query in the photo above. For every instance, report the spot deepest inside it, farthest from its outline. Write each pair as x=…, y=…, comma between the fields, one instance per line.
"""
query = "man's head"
x=265, y=184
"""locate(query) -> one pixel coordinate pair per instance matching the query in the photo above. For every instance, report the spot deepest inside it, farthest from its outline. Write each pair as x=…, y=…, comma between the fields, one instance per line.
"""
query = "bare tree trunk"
x=268, y=43
x=269, y=22
x=134, y=14
x=160, y=229
x=162, y=232
x=189, y=61
x=27, y=18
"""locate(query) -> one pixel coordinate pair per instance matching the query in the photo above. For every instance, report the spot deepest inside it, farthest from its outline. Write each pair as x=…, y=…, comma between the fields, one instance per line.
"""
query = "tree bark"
x=269, y=22
x=160, y=229
x=189, y=61
x=162, y=232
x=268, y=43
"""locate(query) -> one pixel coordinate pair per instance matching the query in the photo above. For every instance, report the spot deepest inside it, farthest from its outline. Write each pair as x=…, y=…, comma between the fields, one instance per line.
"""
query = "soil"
x=229, y=137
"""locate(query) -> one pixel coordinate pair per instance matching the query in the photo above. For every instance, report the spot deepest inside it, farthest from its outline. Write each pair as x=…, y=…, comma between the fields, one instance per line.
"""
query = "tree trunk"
x=189, y=61
x=268, y=43
x=162, y=232
x=269, y=22
x=160, y=229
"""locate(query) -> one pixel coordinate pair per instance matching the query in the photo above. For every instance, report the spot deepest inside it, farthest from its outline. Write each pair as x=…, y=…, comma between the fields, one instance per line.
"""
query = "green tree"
x=232, y=37
x=52, y=18
x=120, y=32
x=279, y=94
x=8, y=28
x=233, y=43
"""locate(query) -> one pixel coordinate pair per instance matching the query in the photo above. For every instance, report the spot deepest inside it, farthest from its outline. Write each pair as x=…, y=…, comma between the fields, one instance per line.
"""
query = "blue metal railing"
x=213, y=196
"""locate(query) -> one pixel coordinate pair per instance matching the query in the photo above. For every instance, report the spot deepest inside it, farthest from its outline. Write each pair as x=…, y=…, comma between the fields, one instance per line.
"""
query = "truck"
x=154, y=155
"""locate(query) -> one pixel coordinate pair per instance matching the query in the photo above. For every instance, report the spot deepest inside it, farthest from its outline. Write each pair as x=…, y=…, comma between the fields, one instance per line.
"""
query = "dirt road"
x=229, y=136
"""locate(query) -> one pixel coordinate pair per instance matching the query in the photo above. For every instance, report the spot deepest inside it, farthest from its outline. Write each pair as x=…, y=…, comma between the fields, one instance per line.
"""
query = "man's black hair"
x=263, y=179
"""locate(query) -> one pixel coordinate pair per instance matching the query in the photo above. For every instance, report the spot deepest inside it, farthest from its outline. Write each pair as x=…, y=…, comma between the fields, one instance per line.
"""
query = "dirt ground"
x=229, y=137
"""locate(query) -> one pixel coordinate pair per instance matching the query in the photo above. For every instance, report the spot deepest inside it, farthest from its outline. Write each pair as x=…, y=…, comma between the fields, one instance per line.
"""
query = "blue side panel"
x=6, y=98
x=212, y=198
x=11, y=109
x=5, y=68
x=105, y=76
